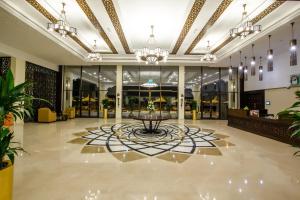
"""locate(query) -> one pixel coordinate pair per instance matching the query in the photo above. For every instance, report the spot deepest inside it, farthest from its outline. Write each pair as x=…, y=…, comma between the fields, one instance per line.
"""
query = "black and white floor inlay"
x=173, y=139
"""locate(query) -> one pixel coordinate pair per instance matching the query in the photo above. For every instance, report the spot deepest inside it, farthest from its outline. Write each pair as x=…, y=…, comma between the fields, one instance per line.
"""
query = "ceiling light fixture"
x=245, y=70
x=208, y=57
x=293, y=48
x=149, y=84
x=260, y=70
x=94, y=56
x=270, y=56
x=62, y=26
x=151, y=55
x=253, y=62
x=245, y=28
x=241, y=66
x=230, y=69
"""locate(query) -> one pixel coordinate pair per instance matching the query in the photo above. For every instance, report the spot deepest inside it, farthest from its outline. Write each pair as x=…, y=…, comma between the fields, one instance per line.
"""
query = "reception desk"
x=272, y=128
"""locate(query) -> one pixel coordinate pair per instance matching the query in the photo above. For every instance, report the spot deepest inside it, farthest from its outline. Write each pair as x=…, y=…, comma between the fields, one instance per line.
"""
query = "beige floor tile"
x=92, y=149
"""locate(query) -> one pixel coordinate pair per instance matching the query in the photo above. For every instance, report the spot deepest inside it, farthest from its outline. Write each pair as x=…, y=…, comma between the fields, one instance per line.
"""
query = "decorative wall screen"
x=44, y=85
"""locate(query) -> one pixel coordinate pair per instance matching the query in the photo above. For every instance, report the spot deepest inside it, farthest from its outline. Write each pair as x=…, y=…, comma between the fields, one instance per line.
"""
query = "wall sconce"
x=118, y=97
x=68, y=84
x=181, y=100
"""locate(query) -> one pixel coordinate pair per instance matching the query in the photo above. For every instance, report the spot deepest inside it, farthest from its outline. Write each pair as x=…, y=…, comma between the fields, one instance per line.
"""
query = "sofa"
x=46, y=115
x=70, y=112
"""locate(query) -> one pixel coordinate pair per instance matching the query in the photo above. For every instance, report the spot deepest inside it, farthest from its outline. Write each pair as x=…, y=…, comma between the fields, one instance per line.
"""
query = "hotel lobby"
x=149, y=100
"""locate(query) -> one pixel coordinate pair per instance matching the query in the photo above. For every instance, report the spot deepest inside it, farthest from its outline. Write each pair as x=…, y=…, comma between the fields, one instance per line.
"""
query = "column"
x=181, y=92
x=18, y=69
x=119, y=83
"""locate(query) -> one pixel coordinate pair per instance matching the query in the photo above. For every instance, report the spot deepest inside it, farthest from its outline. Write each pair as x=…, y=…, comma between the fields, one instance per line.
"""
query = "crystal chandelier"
x=245, y=28
x=208, y=57
x=94, y=56
x=149, y=84
x=151, y=56
x=62, y=26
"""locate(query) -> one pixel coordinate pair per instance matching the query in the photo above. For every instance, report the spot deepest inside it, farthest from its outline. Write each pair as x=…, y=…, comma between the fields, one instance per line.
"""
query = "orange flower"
x=9, y=120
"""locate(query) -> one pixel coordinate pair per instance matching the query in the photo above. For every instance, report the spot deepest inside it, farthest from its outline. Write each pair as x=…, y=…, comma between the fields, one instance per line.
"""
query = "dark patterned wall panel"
x=4, y=64
x=44, y=84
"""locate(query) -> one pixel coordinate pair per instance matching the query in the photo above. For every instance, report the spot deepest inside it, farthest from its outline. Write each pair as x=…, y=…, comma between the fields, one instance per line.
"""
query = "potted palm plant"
x=131, y=104
x=293, y=113
x=14, y=104
x=105, y=103
x=194, y=109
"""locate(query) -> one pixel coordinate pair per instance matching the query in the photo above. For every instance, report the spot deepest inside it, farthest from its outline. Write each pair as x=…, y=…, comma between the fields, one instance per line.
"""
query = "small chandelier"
x=149, y=84
x=94, y=56
x=245, y=28
x=151, y=56
x=208, y=57
x=62, y=26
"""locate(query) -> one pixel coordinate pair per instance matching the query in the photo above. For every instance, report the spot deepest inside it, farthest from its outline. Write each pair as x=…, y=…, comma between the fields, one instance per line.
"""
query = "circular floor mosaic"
x=173, y=143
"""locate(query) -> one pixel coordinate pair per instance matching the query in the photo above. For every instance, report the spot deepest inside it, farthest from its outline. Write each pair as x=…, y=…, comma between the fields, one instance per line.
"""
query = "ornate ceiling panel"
x=198, y=4
x=182, y=27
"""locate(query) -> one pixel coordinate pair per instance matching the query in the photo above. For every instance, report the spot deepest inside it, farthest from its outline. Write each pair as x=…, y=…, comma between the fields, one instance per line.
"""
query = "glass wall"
x=136, y=96
x=86, y=86
x=210, y=90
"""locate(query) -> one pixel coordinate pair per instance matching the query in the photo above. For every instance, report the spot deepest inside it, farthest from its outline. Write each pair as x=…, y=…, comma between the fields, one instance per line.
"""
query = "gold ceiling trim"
x=197, y=6
x=220, y=10
x=90, y=15
x=260, y=16
x=110, y=9
x=47, y=14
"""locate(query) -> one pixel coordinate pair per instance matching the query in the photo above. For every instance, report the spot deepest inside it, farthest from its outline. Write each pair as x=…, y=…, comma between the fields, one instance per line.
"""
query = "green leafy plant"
x=194, y=105
x=293, y=113
x=14, y=104
x=105, y=103
x=246, y=108
x=131, y=104
x=168, y=105
x=150, y=106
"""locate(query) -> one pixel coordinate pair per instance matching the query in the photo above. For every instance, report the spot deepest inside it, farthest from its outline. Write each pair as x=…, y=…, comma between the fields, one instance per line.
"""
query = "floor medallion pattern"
x=174, y=142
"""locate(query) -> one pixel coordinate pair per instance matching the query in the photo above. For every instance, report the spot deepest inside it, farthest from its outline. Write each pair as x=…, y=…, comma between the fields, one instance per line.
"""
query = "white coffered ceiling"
x=125, y=25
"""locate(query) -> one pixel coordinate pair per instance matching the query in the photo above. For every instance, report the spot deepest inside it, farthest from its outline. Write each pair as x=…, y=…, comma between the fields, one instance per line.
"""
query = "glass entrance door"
x=87, y=86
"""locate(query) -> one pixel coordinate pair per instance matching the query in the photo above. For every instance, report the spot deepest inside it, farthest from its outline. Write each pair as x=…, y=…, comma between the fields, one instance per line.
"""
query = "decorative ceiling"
x=182, y=27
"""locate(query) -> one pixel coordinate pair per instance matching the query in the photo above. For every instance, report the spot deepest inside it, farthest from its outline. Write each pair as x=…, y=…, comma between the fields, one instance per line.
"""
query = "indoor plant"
x=150, y=107
x=14, y=104
x=293, y=113
x=105, y=103
x=194, y=109
x=131, y=104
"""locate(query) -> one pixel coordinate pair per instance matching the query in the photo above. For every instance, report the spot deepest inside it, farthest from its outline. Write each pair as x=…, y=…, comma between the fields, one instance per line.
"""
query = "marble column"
x=119, y=82
x=181, y=92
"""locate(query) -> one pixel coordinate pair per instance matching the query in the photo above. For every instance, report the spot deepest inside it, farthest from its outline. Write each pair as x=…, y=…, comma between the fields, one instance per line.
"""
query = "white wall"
x=10, y=51
x=278, y=78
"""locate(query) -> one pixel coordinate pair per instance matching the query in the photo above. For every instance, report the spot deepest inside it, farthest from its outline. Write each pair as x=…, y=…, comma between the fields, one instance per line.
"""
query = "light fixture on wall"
x=230, y=69
x=270, y=56
x=208, y=57
x=260, y=70
x=94, y=56
x=241, y=66
x=150, y=54
x=293, y=48
x=245, y=70
x=62, y=26
x=253, y=62
x=245, y=28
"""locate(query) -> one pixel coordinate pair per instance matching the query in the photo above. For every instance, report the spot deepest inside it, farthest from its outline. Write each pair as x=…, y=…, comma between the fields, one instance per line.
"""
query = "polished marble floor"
x=56, y=169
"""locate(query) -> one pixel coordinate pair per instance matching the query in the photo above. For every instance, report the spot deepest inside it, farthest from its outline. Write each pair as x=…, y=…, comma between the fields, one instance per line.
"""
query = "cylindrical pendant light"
x=260, y=70
x=245, y=70
x=230, y=70
x=253, y=62
x=241, y=66
x=293, y=48
x=270, y=56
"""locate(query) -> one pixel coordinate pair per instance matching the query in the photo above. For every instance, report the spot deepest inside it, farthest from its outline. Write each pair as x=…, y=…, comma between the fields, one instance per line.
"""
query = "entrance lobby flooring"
x=60, y=165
